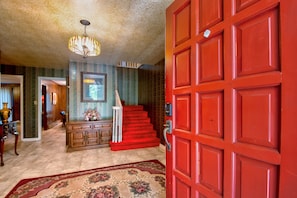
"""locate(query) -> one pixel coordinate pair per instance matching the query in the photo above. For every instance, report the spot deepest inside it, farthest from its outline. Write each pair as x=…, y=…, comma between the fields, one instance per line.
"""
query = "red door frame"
x=288, y=169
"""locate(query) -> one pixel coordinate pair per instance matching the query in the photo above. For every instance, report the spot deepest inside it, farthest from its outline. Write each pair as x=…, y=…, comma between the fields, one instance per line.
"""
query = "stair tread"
x=137, y=126
x=136, y=121
x=139, y=135
x=139, y=131
x=132, y=108
x=135, y=115
x=133, y=130
x=143, y=140
x=134, y=146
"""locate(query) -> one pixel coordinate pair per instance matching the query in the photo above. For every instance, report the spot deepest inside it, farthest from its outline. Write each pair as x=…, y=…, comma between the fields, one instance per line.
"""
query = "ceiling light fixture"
x=84, y=45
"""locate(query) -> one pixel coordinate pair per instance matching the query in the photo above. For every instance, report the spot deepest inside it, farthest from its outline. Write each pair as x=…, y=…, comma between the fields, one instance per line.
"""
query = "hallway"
x=49, y=157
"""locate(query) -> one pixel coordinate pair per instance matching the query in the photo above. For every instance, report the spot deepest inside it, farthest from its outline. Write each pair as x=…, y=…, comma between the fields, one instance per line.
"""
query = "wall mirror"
x=93, y=87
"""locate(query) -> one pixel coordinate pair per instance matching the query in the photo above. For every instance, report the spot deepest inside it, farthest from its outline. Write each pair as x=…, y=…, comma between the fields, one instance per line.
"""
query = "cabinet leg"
x=16, y=138
x=1, y=150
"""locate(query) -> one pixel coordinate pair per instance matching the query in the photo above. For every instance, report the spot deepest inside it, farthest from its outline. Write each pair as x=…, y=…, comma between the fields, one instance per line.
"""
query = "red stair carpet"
x=138, y=132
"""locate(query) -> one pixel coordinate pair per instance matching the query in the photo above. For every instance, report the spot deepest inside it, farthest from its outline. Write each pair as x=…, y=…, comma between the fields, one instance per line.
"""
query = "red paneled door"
x=231, y=76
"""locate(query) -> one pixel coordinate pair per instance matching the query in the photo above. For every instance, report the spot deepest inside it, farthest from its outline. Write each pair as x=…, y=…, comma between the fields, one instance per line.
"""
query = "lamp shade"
x=84, y=45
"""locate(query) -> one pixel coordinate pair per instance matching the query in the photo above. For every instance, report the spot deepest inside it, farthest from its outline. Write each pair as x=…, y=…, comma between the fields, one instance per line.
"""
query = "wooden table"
x=10, y=127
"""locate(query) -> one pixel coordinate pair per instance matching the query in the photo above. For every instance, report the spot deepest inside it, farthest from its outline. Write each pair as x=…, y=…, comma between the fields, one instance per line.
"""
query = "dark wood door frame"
x=44, y=113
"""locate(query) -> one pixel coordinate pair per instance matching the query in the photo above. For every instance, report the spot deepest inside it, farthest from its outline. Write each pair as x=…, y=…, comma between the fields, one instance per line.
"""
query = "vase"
x=5, y=113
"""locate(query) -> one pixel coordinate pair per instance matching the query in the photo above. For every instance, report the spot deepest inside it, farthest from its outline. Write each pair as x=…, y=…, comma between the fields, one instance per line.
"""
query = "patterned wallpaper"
x=31, y=75
x=128, y=85
x=125, y=79
x=152, y=94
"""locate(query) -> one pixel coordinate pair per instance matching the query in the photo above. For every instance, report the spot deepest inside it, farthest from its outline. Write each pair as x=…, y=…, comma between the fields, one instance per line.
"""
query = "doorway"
x=43, y=112
x=17, y=80
x=51, y=101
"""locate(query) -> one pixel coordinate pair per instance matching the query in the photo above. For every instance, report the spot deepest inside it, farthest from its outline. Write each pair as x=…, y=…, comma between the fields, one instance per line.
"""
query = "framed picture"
x=93, y=87
x=54, y=98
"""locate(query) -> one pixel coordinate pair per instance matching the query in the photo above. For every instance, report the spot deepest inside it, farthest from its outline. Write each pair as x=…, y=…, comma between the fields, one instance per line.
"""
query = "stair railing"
x=117, y=114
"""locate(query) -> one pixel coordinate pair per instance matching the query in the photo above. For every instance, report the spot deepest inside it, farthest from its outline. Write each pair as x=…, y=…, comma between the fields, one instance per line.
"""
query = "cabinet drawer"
x=79, y=126
x=105, y=136
x=92, y=138
x=88, y=134
x=103, y=125
x=77, y=139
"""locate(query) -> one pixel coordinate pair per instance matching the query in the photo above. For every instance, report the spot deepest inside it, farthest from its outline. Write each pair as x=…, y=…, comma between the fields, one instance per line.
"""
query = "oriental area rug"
x=140, y=179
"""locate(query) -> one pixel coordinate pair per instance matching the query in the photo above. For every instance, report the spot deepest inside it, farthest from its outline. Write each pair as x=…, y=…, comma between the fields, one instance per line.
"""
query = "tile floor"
x=49, y=156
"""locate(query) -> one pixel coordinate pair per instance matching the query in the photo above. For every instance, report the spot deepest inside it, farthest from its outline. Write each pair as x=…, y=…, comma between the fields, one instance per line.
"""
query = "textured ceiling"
x=36, y=32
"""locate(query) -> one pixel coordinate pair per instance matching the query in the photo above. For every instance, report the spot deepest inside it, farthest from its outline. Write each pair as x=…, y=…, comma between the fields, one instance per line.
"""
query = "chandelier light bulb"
x=84, y=45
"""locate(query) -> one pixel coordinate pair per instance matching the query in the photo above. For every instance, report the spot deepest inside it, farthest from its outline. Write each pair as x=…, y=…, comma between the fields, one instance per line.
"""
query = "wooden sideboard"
x=82, y=135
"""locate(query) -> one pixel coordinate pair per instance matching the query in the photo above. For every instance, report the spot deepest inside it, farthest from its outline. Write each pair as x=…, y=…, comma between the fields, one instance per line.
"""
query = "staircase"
x=138, y=132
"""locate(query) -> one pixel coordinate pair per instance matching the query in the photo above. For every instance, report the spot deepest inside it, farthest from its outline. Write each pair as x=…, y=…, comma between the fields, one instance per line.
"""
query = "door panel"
x=211, y=164
x=182, y=22
x=211, y=111
x=183, y=156
x=241, y=4
x=233, y=95
x=261, y=177
x=183, y=113
x=182, y=190
x=257, y=44
x=258, y=117
x=211, y=59
x=182, y=68
x=210, y=13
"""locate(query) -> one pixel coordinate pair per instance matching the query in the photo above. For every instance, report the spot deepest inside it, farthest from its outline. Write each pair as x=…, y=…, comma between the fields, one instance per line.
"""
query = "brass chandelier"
x=84, y=45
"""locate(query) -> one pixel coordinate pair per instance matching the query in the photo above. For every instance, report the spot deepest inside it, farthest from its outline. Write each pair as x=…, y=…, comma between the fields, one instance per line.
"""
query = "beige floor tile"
x=49, y=156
